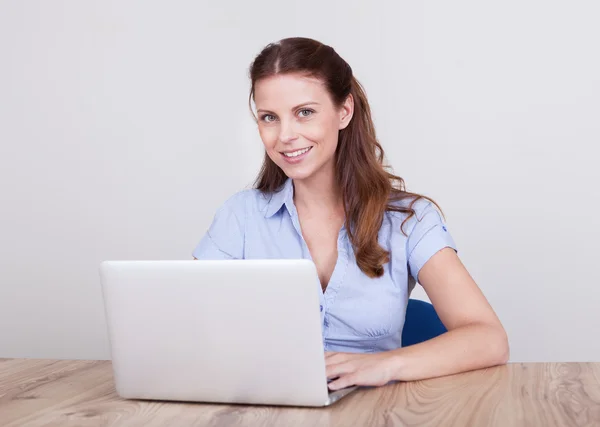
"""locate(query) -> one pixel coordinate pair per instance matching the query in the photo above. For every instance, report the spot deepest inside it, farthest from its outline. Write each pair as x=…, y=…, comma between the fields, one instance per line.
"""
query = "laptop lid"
x=236, y=331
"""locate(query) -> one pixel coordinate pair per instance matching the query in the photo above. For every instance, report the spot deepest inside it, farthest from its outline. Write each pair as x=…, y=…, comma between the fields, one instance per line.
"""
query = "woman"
x=324, y=194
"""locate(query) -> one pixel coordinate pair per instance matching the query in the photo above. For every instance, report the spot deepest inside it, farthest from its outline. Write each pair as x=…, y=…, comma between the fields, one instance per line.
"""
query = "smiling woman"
x=303, y=135
x=323, y=193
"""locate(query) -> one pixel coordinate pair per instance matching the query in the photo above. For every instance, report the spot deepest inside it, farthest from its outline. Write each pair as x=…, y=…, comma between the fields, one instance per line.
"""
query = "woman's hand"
x=371, y=369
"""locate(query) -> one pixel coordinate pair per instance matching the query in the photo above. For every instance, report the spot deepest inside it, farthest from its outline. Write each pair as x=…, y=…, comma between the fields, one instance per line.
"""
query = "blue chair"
x=422, y=323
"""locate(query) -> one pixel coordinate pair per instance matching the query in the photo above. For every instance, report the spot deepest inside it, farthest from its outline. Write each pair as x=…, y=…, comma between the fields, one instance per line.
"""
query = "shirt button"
x=321, y=308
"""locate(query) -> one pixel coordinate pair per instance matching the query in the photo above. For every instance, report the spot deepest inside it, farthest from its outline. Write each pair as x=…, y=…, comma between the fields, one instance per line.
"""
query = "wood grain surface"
x=81, y=393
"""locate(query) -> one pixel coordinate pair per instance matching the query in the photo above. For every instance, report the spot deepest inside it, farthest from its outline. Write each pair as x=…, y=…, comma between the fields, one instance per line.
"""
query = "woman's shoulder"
x=413, y=206
x=245, y=201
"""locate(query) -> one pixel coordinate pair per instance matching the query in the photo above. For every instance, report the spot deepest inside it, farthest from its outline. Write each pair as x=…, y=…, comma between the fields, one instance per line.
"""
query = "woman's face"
x=298, y=123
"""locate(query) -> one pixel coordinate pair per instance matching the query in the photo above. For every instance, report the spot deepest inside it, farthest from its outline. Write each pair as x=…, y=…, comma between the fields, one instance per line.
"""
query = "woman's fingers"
x=339, y=369
x=348, y=369
x=342, y=382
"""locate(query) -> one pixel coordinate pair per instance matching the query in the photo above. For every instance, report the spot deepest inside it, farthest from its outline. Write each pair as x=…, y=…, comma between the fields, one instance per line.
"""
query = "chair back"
x=422, y=323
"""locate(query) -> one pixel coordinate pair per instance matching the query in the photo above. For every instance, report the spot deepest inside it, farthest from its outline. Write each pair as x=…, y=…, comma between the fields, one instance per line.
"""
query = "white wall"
x=124, y=125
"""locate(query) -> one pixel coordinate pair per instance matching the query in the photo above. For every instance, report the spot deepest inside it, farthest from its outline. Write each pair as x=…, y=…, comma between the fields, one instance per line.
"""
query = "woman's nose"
x=287, y=133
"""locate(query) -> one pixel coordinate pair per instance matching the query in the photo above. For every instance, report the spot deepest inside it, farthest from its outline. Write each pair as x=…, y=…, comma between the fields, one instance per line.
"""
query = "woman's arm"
x=475, y=337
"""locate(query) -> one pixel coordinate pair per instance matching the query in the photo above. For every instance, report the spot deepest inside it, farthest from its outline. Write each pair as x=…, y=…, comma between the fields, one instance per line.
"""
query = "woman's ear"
x=346, y=112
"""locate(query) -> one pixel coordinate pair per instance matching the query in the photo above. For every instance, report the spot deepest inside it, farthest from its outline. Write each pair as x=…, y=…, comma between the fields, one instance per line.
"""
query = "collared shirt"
x=358, y=313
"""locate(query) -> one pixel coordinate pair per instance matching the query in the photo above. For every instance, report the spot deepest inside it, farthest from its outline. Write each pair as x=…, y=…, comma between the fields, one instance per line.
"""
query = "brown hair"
x=368, y=189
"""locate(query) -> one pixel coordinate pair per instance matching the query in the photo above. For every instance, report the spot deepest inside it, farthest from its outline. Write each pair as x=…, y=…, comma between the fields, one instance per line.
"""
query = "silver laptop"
x=235, y=331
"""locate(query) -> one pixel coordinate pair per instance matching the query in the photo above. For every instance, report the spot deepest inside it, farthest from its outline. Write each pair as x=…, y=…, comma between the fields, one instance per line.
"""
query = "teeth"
x=296, y=153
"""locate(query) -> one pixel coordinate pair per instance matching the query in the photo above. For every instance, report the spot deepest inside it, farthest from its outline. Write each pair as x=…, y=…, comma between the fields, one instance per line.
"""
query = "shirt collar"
x=283, y=196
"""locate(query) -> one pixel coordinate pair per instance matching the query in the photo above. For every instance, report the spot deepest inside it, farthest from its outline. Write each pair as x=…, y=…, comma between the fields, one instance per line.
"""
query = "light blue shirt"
x=358, y=313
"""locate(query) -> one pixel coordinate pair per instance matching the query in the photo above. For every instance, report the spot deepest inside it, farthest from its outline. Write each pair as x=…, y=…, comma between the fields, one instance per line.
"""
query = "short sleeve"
x=224, y=239
x=428, y=236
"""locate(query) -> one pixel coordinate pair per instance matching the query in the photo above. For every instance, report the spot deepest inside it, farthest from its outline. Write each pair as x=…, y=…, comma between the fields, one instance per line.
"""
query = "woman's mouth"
x=296, y=156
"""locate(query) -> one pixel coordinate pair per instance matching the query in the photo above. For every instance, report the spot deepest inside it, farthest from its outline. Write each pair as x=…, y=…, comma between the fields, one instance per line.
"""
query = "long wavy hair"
x=368, y=189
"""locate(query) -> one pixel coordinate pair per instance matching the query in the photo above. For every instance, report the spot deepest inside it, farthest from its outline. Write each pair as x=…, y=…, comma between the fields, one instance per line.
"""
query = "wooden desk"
x=81, y=393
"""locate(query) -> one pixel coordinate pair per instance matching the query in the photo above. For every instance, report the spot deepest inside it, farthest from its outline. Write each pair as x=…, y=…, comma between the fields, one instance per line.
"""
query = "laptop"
x=227, y=331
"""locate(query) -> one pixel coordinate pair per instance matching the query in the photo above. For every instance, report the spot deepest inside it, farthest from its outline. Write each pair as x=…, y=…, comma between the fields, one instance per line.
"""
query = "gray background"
x=124, y=125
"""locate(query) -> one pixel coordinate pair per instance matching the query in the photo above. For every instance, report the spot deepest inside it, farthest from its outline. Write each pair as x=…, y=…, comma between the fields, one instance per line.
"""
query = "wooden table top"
x=81, y=393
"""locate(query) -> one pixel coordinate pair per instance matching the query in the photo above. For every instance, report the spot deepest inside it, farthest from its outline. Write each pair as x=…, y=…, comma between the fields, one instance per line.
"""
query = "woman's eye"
x=267, y=118
x=309, y=112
